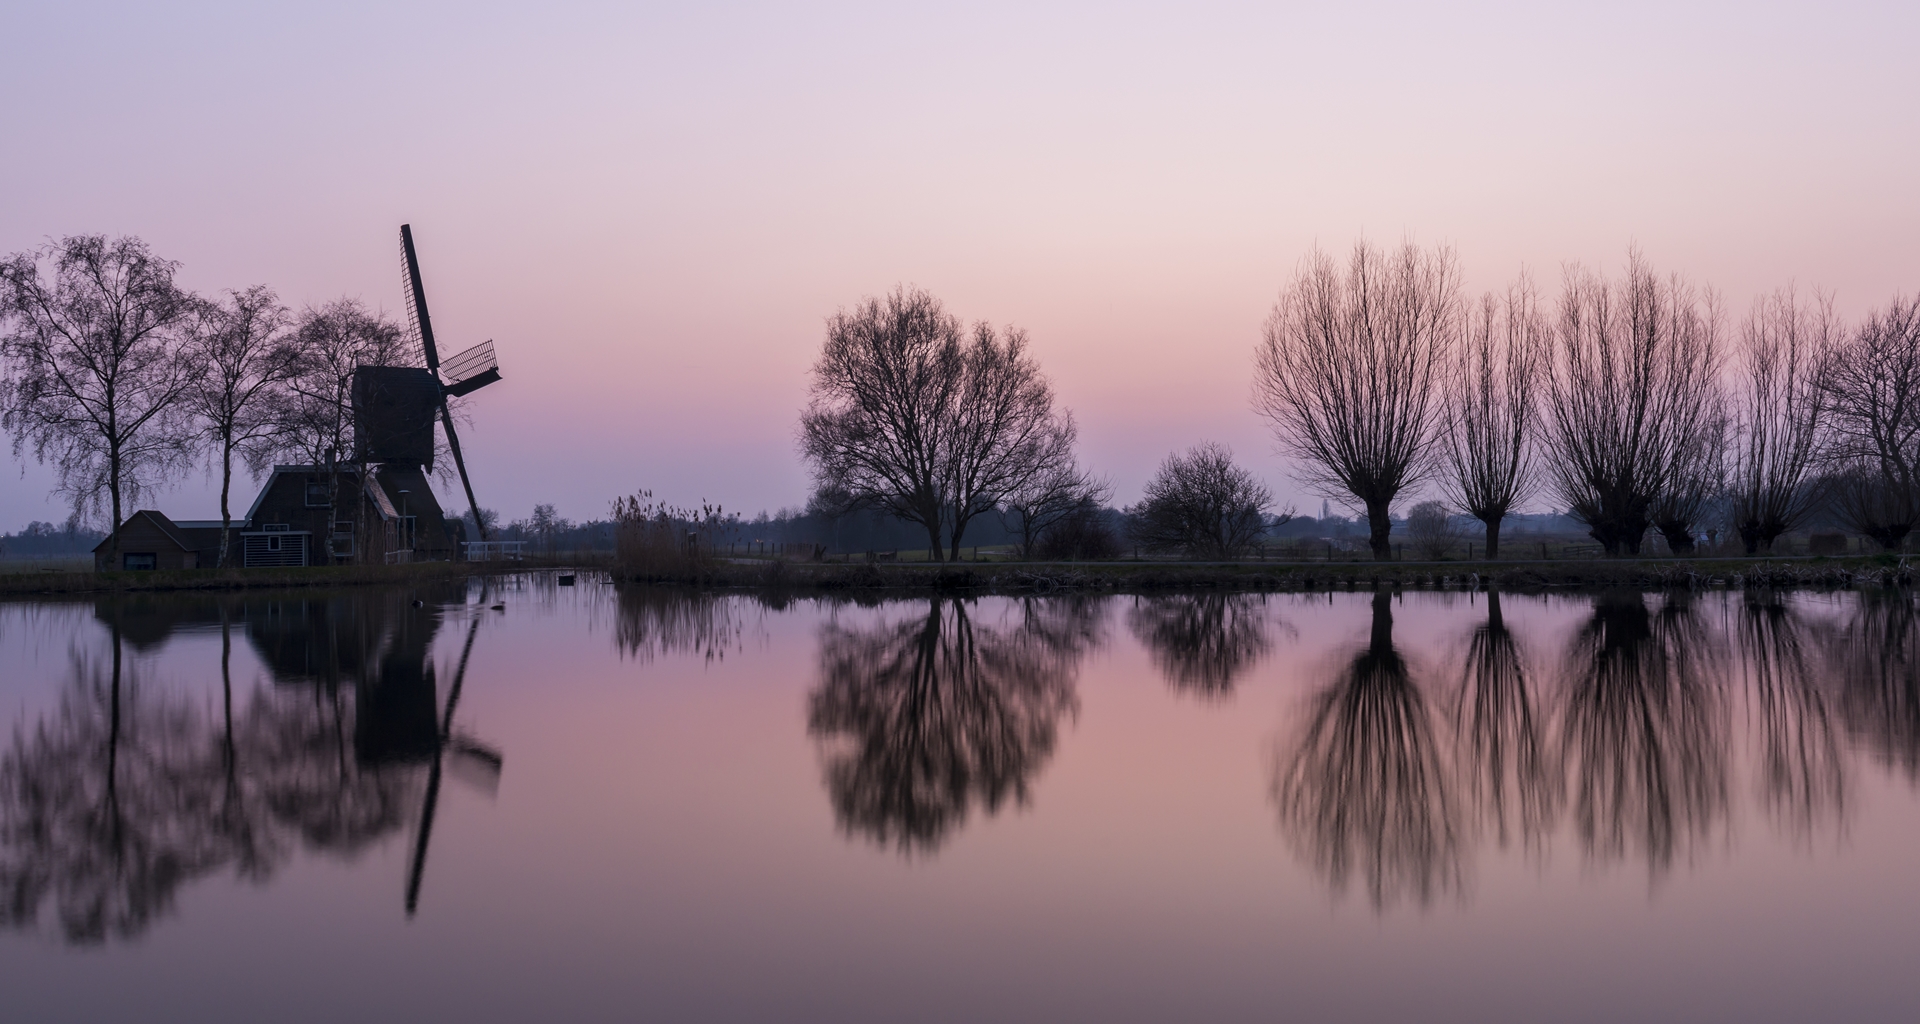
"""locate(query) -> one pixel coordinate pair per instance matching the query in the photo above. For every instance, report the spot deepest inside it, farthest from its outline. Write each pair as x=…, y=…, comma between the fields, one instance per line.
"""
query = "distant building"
x=304, y=515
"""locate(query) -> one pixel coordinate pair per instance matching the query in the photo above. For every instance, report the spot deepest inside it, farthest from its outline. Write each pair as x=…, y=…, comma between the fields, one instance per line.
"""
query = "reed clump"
x=657, y=542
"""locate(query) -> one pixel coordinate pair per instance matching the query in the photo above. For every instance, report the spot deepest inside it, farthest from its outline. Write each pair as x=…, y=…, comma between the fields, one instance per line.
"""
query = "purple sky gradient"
x=651, y=212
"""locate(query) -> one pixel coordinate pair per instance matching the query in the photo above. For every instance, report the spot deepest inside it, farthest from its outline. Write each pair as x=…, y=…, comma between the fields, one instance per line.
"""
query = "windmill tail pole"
x=453, y=445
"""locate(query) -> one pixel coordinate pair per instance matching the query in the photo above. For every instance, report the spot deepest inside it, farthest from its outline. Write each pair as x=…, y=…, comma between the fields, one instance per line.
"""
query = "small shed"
x=148, y=540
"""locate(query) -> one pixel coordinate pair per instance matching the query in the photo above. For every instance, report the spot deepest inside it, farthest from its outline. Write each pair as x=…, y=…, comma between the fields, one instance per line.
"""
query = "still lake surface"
x=591, y=803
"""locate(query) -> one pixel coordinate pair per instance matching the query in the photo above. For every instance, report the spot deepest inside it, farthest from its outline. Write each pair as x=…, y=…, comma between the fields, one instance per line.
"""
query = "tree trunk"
x=1493, y=537
x=1380, y=530
x=226, y=516
x=933, y=540
x=113, y=488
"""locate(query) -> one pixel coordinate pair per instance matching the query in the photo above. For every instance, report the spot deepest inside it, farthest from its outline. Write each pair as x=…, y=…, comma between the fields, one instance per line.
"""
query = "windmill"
x=395, y=406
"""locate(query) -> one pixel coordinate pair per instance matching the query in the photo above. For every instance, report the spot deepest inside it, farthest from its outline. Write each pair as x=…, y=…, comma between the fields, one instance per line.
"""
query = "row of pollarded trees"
x=122, y=379
x=1625, y=398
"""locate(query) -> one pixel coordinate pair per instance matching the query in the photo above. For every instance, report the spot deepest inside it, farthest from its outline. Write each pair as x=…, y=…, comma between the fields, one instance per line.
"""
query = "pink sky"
x=651, y=211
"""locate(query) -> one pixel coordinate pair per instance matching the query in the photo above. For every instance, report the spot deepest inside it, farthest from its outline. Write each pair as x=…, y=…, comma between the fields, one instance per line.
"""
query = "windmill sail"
x=423, y=324
x=470, y=370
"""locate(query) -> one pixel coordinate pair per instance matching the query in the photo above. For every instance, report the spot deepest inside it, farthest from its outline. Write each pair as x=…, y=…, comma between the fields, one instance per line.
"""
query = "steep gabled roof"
x=159, y=522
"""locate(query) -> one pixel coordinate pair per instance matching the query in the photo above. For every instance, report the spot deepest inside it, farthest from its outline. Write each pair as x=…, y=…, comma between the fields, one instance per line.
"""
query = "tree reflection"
x=104, y=807
x=1364, y=788
x=111, y=805
x=1643, y=731
x=1202, y=642
x=1876, y=657
x=1505, y=772
x=921, y=719
x=1802, y=774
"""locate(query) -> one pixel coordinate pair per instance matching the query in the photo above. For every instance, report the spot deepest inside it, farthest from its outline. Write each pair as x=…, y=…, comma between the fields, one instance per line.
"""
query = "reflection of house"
x=304, y=515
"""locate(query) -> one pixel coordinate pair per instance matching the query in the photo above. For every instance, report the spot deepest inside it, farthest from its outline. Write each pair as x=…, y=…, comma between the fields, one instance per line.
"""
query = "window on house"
x=273, y=543
x=139, y=560
x=317, y=494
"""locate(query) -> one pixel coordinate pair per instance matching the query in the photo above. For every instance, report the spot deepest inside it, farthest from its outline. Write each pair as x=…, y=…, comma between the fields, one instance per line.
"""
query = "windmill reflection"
x=921, y=719
x=123, y=796
x=1505, y=771
x=1642, y=731
x=1802, y=776
x=1364, y=788
x=1202, y=643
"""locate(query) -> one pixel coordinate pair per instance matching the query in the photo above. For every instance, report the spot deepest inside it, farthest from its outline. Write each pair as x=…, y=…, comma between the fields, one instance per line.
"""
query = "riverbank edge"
x=1151, y=577
x=1044, y=577
x=42, y=584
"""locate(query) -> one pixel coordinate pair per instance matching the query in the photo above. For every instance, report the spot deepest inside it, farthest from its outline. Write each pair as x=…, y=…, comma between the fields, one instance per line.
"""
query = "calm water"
x=590, y=804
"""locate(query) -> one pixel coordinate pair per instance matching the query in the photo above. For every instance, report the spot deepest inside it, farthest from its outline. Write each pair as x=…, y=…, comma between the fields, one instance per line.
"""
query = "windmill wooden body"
x=395, y=406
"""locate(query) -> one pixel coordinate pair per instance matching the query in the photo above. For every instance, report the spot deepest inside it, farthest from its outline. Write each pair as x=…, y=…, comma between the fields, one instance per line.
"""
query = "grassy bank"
x=1145, y=577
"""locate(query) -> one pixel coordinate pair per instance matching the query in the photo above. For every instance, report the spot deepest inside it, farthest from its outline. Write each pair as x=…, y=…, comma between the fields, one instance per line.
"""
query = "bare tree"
x=1006, y=434
x=1788, y=350
x=1347, y=369
x=1696, y=482
x=1489, y=420
x=1430, y=526
x=1051, y=498
x=1628, y=394
x=326, y=345
x=1203, y=505
x=240, y=392
x=1873, y=388
x=1873, y=503
x=95, y=369
x=909, y=416
x=882, y=392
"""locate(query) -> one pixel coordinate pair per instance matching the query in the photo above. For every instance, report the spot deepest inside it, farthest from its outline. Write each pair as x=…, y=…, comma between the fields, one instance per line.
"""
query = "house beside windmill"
x=304, y=515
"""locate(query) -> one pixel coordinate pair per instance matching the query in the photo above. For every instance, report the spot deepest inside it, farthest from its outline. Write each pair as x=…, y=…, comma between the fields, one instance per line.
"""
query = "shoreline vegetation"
x=1520, y=576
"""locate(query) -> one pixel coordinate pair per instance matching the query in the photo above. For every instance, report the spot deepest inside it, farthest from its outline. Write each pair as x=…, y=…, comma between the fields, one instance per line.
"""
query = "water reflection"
x=1623, y=727
x=1364, y=789
x=1802, y=770
x=128, y=792
x=664, y=622
x=922, y=718
x=107, y=809
x=1876, y=657
x=1500, y=746
x=1203, y=642
x=1643, y=731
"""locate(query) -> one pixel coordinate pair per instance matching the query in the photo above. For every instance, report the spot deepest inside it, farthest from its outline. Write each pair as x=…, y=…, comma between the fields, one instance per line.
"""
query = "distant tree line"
x=121, y=379
x=40, y=539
